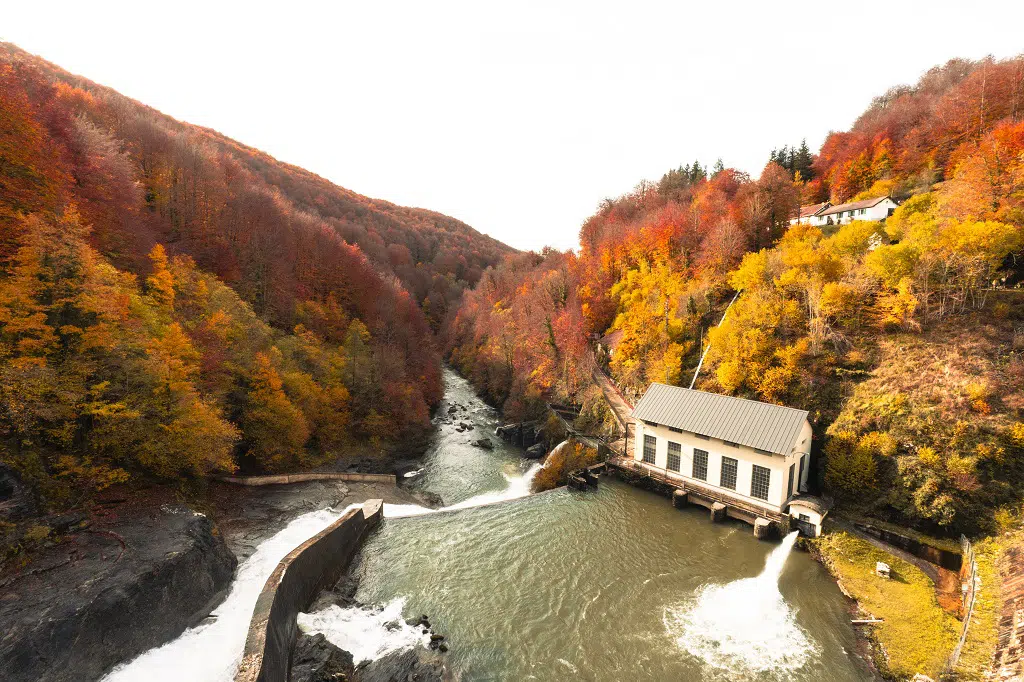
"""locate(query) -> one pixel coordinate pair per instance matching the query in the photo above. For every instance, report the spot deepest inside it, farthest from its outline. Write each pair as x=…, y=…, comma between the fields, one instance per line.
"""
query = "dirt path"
x=618, y=404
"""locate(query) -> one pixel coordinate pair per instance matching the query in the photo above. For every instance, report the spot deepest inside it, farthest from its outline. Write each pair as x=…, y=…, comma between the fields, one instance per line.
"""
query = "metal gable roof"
x=813, y=209
x=853, y=205
x=762, y=426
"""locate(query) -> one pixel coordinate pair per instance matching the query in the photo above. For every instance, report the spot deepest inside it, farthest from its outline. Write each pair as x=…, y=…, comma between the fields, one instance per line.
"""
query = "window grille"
x=650, y=442
x=700, y=465
x=759, y=482
x=729, y=467
x=674, y=456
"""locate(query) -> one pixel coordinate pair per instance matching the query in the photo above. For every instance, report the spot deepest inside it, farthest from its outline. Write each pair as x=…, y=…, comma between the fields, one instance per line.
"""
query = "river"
x=613, y=584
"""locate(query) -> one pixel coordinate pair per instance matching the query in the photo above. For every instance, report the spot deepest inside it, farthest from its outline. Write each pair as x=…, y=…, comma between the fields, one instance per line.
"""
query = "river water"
x=613, y=584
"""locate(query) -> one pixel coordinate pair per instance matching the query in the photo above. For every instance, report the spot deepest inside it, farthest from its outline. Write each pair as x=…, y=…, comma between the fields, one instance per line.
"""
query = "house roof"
x=853, y=205
x=818, y=504
x=611, y=339
x=808, y=211
x=762, y=426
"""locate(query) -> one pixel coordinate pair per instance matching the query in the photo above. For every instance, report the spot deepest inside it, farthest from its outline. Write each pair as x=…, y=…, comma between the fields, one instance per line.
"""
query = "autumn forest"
x=902, y=338
x=174, y=304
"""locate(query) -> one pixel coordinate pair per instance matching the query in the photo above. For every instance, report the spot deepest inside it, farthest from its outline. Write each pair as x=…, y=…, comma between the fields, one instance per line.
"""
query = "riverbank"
x=913, y=633
x=142, y=568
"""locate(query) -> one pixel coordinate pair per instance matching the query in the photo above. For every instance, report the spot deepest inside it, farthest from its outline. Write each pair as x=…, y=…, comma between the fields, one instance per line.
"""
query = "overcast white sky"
x=517, y=118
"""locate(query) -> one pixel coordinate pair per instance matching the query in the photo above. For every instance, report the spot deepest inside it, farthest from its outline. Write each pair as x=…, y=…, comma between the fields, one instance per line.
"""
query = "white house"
x=810, y=214
x=752, y=457
x=875, y=209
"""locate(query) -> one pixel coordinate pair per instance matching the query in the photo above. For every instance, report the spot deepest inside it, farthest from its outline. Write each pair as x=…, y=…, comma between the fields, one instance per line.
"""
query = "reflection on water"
x=613, y=584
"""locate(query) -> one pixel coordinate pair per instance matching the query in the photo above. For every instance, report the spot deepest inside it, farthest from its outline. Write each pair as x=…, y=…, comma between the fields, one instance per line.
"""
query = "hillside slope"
x=175, y=304
x=902, y=338
x=198, y=191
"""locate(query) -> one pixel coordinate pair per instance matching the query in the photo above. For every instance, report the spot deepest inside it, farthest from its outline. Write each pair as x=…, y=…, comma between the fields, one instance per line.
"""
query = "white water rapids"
x=518, y=486
x=369, y=633
x=744, y=626
x=211, y=651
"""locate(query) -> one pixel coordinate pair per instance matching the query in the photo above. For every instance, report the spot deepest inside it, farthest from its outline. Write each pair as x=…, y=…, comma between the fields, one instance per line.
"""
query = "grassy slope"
x=934, y=372
x=917, y=634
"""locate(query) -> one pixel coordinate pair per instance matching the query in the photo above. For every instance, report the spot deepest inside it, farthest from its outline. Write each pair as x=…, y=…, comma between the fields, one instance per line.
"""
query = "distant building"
x=809, y=214
x=752, y=457
x=875, y=209
x=610, y=342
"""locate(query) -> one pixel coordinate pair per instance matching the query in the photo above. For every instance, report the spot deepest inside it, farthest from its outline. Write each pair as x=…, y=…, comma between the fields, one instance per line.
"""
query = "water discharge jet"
x=745, y=626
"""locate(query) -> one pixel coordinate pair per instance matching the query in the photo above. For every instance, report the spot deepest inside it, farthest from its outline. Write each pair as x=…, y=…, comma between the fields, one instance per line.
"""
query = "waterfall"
x=518, y=486
x=777, y=559
x=366, y=633
x=745, y=626
x=212, y=650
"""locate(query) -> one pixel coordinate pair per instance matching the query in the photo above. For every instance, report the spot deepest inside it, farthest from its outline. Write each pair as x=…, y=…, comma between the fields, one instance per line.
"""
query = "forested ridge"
x=175, y=304
x=904, y=339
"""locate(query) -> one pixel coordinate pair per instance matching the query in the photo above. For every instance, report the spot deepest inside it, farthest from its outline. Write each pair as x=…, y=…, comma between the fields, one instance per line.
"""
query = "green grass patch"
x=917, y=635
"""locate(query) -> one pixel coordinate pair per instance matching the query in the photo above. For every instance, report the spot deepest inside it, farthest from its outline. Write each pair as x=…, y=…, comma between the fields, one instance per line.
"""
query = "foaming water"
x=744, y=626
x=364, y=632
x=368, y=633
x=518, y=486
x=211, y=651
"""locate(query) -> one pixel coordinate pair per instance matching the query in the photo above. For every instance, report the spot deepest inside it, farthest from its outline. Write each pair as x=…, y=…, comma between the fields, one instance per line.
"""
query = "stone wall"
x=311, y=567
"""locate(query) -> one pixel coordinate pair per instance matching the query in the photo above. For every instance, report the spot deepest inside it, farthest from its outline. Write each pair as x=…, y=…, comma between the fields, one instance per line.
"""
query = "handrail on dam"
x=311, y=567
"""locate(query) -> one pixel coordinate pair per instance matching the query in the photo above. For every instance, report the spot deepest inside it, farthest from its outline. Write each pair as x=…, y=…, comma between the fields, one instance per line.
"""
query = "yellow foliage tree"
x=160, y=283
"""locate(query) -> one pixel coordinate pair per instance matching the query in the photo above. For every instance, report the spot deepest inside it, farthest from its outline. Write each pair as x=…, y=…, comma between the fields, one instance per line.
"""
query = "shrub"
x=563, y=460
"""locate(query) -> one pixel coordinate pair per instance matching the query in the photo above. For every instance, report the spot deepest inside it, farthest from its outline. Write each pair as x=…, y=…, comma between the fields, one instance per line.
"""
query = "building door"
x=792, y=479
x=804, y=525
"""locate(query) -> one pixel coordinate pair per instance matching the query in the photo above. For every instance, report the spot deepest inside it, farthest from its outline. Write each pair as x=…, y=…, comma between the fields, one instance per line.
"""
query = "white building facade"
x=810, y=215
x=871, y=210
x=754, y=455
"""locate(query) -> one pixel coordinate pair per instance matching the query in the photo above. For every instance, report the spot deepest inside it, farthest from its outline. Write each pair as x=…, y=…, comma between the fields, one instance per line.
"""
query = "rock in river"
x=315, y=659
x=536, y=451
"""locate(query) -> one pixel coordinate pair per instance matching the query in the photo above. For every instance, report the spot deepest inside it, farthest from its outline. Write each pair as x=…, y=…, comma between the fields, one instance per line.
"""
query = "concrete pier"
x=679, y=499
x=762, y=528
x=718, y=511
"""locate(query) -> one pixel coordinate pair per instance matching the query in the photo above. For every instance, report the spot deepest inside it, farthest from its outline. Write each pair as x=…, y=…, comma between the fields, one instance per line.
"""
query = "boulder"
x=79, y=618
x=314, y=659
x=484, y=443
x=536, y=451
x=417, y=665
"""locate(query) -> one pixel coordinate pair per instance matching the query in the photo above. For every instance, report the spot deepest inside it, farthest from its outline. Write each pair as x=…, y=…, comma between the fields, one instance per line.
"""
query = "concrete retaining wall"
x=311, y=567
x=302, y=478
x=940, y=557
